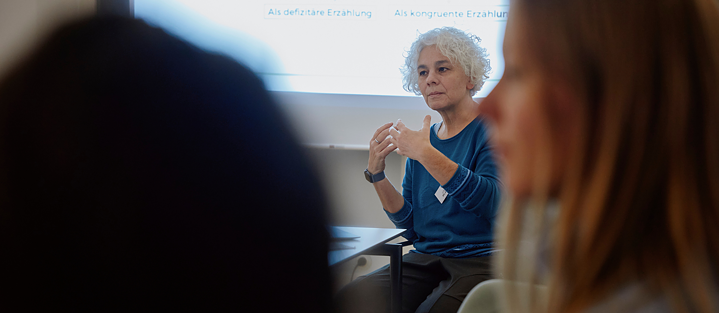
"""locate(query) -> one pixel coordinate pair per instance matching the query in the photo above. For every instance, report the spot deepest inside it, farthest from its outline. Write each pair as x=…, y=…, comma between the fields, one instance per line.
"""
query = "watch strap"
x=373, y=178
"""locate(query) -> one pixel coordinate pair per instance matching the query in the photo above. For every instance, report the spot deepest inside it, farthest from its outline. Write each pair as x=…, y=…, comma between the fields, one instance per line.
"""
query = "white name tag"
x=441, y=194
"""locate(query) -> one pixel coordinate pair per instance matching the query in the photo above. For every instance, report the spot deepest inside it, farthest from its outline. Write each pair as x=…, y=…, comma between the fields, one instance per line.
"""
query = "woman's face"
x=528, y=136
x=442, y=83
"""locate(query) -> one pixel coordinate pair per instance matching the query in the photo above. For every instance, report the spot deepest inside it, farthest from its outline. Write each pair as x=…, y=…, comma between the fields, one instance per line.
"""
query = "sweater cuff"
x=400, y=216
x=460, y=177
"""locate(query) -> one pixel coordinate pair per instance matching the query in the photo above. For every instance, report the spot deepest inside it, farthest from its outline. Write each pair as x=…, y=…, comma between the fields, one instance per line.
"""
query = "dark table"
x=373, y=241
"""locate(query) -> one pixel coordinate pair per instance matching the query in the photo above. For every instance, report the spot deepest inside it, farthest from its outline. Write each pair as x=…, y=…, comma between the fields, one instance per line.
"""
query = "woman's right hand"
x=379, y=148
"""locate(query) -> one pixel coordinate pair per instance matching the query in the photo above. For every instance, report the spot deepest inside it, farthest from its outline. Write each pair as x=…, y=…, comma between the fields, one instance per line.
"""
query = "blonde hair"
x=640, y=198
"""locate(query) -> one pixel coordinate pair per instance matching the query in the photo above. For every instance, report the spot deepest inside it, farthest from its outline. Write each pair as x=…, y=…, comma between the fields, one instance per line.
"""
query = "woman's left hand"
x=410, y=143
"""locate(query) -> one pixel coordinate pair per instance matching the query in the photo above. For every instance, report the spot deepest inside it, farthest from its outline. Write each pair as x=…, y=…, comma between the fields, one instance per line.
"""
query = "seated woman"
x=450, y=189
x=140, y=173
x=607, y=124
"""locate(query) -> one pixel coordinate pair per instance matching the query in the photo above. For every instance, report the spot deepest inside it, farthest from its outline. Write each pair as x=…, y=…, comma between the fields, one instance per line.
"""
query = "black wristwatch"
x=373, y=178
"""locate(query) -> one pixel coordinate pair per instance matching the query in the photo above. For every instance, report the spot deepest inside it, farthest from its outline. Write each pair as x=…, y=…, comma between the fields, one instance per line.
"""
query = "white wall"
x=350, y=120
x=353, y=201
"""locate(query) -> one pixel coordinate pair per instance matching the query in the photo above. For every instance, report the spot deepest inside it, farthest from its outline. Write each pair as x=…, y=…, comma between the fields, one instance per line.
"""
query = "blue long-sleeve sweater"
x=462, y=225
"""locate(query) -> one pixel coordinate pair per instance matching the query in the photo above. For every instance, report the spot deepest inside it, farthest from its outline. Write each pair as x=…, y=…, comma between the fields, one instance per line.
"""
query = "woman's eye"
x=422, y=73
x=442, y=69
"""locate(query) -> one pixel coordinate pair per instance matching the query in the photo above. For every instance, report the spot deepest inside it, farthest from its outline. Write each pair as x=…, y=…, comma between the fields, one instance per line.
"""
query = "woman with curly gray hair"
x=455, y=44
x=450, y=191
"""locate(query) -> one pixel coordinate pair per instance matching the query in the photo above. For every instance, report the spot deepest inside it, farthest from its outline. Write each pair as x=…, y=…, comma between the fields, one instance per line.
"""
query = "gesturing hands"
x=410, y=143
x=379, y=147
x=407, y=142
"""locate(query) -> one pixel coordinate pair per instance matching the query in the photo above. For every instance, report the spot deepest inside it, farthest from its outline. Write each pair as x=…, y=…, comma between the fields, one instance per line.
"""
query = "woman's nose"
x=431, y=78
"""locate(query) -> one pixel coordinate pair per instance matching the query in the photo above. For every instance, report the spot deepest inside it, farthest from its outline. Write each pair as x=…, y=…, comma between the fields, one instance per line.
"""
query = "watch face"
x=367, y=176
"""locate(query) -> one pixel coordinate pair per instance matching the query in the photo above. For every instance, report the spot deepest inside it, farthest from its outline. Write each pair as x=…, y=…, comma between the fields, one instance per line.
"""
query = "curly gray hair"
x=460, y=47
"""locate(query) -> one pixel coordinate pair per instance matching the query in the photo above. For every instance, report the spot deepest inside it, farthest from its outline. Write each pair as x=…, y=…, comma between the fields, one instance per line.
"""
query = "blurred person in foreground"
x=140, y=173
x=450, y=191
x=606, y=122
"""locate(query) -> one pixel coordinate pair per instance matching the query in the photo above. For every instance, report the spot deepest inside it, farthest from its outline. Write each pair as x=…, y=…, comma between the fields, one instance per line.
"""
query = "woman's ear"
x=469, y=84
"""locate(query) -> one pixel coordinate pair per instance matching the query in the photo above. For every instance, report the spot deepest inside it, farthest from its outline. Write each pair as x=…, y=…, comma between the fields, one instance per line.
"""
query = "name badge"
x=441, y=194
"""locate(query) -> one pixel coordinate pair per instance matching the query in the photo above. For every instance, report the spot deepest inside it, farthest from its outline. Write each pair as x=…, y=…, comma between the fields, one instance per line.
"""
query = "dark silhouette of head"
x=139, y=172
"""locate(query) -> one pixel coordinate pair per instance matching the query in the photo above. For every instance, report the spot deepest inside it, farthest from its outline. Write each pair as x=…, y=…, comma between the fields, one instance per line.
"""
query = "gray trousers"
x=429, y=284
